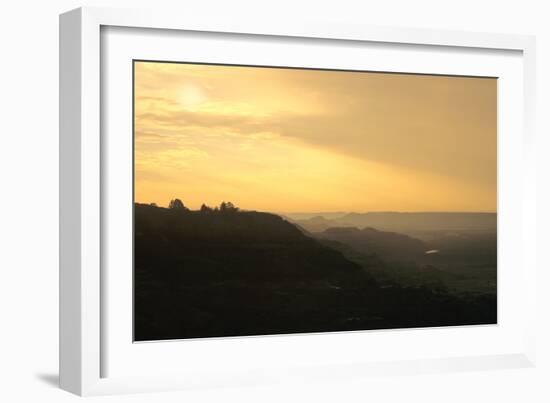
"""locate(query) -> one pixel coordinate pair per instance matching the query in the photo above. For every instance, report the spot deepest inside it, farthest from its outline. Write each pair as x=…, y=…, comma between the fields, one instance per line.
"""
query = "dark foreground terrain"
x=233, y=273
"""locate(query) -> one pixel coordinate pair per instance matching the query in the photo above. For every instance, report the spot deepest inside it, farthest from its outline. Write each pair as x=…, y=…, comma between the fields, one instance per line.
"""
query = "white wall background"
x=29, y=201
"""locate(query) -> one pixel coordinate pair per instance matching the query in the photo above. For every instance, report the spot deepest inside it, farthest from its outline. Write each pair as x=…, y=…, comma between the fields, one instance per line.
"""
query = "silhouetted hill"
x=388, y=245
x=318, y=223
x=233, y=273
x=419, y=225
x=235, y=245
x=315, y=224
x=415, y=222
x=460, y=262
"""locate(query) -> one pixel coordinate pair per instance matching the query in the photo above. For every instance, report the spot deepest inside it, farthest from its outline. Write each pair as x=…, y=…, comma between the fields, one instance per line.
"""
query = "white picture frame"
x=83, y=173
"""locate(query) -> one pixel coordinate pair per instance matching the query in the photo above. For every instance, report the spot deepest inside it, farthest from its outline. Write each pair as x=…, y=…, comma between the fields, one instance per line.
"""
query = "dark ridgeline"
x=224, y=272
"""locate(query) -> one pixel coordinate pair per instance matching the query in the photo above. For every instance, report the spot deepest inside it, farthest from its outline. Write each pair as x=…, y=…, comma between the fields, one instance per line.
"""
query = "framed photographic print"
x=312, y=237
x=244, y=202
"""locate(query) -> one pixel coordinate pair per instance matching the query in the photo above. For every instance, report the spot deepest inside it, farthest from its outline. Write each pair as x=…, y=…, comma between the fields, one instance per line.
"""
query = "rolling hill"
x=390, y=246
x=235, y=273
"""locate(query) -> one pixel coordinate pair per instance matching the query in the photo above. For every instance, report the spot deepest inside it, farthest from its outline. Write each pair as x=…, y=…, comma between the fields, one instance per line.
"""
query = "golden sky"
x=290, y=140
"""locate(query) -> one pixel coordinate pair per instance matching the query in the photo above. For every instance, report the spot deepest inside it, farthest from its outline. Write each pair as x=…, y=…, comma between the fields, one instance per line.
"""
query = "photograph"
x=272, y=200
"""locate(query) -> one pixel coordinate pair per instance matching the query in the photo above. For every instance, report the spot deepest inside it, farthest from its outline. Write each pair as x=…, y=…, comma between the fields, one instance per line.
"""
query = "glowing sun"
x=192, y=96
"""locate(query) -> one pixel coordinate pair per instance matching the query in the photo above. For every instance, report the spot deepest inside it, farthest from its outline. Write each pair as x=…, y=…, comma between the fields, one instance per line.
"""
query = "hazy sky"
x=288, y=140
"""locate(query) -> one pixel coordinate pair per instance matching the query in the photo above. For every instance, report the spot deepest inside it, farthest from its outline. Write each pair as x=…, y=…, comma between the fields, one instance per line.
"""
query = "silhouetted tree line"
x=224, y=207
x=177, y=204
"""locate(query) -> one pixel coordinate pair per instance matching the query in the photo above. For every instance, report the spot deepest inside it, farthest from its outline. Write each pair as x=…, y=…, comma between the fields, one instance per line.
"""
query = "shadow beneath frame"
x=49, y=379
